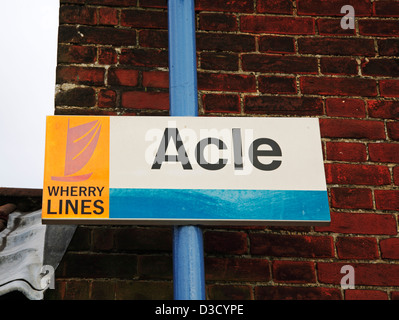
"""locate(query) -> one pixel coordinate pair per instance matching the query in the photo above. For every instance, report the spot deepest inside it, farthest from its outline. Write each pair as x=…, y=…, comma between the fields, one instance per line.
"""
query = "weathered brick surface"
x=294, y=271
x=351, y=198
x=361, y=223
x=357, y=174
x=255, y=58
x=346, y=151
x=296, y=293
x=365, y=295
x=381, y=274
x=357, y=248
x=291, y=245
x=345, y=107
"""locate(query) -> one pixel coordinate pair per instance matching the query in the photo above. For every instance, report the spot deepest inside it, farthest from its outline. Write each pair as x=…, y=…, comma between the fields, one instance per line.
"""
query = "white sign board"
x=185, y=170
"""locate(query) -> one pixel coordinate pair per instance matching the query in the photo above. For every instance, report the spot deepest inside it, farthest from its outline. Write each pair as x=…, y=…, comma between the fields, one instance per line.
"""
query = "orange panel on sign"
x=76, y=175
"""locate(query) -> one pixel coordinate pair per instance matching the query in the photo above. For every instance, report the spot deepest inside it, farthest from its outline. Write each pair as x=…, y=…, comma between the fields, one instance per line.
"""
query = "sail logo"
x=76, y=174
x=81, y=144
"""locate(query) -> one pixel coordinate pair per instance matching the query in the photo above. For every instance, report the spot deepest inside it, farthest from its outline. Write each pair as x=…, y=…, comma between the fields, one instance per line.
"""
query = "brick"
x=291, y=245
x=344, y=66
x=336, y=46
x=277, y=63
x=361, y=223
x=277, y=25
x=274, y=6
x=389, y=88
x=155, y=267
x=379, y=28
x=103, y=239
x=76, y=54
x=350, y=198
x=144, y=57
x=244, y=6
x=356, y=248
x=81, y=239
x=143, y=290
x=396, y=175
x=393, y=130
x=274, y=105
x=380, y=67
x=333, y=8
x=352, y=128
x=389, y=248
x=80, y=75
x=107, y=99
x=236, y=269
x=365, y=295
x=153, y=38
x=388, y=47
x=219, y=61
x=154, y=3
x=123, y=77
x=135, y=239
x=345, y=107
x=395, y=295
x=276, y=44
x=373, y=175
x=226, y=82
x=145, y=100
x=274, y=84
x=107, y=56
x=111, y=3
x=156, y=79
x=144, y=19
x=96, y=35
x=67, y=34
x=102, y=290
x=384, y=152
x=77, y=15
x=221, y=103
x=296, y=293
x=375, y=274
x=290, y=229
x=383, y=109
x=388, y=9
x=229, y=292
x=332, y=27
x=346, y=151
x=83, y=111
x=98, y=266
x=225, y=242
x=387, y=199
x=108, y=16
x=294, y=271
x=79, y=97
x=225, y=42
x=339, y=86
x=218, y=22
x=77, y=290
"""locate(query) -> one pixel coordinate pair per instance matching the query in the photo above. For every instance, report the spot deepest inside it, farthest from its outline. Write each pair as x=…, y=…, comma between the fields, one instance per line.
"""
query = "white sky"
x=28, y=55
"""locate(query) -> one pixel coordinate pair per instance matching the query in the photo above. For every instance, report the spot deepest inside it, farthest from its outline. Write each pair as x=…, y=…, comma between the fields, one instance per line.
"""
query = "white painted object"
x=21, y=255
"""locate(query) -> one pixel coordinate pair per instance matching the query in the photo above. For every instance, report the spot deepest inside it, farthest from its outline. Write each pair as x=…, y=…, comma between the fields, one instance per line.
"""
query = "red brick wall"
x=255, y=58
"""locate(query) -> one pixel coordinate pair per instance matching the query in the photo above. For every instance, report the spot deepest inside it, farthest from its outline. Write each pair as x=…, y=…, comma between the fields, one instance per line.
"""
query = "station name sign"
x=184, y=170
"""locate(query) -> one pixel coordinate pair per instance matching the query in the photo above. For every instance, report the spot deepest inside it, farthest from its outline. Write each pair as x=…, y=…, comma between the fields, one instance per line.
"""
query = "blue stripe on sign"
x=275, y=205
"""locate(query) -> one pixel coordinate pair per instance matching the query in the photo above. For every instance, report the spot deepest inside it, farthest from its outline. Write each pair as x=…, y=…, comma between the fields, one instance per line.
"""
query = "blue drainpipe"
x=188, y=255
